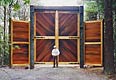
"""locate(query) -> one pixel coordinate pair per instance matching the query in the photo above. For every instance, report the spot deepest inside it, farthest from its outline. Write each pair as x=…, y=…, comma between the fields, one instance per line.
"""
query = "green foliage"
x=94, y=9
x=4, y=48
x=26, y=1
x=4, y=45
x=114, y=5
x=100, y=6
x=91, y=7
x=16, y=6
x=91, y=10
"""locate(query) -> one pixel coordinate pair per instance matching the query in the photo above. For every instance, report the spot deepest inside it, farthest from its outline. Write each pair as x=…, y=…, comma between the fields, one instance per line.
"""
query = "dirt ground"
x=49, y=73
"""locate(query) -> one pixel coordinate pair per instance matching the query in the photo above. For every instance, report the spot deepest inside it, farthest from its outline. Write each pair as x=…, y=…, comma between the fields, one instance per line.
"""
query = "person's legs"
x=56, y=61
x=53, y=61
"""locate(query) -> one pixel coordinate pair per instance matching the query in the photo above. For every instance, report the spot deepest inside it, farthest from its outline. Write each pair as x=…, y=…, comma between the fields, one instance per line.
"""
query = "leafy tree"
x=90, y=10
x=8, y=5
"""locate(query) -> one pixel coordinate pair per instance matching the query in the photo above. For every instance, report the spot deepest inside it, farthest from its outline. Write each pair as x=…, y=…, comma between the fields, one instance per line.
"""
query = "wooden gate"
x=93, y=43
x=20, y=39
x=60, y=27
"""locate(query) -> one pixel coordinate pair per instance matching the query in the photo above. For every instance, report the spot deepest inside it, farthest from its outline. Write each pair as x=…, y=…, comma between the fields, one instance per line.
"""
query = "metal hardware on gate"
x=73, y=37
x=40, y=37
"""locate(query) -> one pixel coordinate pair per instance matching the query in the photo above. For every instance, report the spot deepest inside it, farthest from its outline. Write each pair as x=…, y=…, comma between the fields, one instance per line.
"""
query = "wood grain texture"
x=93, y=54
x=93, y=32
x=68, y=50
x=68, y=24
x=43, y=50
x=45, y=24
x=20, y=31
x=20, y=54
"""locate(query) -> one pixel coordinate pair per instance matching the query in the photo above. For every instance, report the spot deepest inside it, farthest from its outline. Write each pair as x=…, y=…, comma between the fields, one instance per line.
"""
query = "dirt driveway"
x=49, y=73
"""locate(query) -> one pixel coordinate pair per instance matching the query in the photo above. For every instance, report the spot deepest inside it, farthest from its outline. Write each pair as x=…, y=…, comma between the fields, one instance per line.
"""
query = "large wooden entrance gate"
x=60, y=28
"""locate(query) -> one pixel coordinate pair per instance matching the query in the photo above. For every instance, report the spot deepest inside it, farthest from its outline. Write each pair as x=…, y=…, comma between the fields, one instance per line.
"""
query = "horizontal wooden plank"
x=54, y=8
x=93, y=43
x=20, y=62
x=20, y=21
x=44, y=37
x=69, y=37
x=24, y=64
x=20, y=42
x=93, y=21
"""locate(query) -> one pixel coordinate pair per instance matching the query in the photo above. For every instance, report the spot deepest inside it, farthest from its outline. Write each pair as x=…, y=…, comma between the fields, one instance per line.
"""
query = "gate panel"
x=68, y=49
x=69, y=37
x=20, y=54
x=43, y=50
x=45, y=24
x=20, y=39
x=93, y=42
x=68, y=24
x=44, y=36
x=93, y=54
x=20, y=31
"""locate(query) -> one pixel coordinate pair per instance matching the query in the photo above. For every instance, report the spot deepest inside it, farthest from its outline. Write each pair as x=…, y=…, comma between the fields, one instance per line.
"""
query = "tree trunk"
x=98, y=17
x=108, y=40
x=10, y=65
x=4, y=37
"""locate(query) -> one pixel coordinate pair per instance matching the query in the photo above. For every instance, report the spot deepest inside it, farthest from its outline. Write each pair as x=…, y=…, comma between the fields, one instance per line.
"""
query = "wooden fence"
x=20, y=39
x=93, y=43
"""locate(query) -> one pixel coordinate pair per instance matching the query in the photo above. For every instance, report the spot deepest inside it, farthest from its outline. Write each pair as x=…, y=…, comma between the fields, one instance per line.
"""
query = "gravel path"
x=49, y=73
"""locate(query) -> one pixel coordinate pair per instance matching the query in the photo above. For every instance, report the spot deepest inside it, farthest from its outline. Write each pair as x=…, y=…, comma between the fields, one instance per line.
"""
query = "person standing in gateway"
x=55, y=54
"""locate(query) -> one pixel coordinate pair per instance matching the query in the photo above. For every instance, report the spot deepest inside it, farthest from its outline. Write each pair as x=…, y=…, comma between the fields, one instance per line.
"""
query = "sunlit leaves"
x=26, y=1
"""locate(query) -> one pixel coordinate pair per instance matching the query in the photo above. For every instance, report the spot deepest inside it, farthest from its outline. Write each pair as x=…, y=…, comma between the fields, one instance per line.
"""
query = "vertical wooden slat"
x=29, y=44
x=34, y=36
x=78, y=40
x=56, y=30
x=102, y=42
x=11, y=43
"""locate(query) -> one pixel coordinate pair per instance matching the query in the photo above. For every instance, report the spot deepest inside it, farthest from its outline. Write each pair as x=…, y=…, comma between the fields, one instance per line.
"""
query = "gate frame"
x=77, y=9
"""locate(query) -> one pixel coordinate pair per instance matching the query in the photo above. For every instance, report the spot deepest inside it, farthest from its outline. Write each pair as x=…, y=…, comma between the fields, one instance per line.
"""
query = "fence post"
x=81, y=38
x=31, y=37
